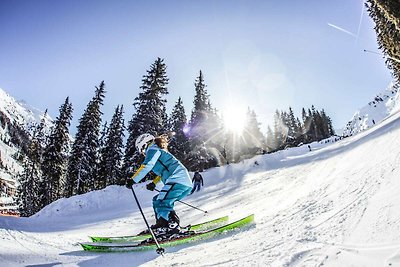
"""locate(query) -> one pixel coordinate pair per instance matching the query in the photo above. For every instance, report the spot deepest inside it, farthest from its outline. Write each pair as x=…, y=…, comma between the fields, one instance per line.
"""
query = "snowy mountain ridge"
x=16, y=117
x=20, y=111
x=383, y=105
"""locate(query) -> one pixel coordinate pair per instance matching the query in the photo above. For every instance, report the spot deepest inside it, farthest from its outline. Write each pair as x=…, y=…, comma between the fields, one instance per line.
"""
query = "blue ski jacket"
x=163, y=164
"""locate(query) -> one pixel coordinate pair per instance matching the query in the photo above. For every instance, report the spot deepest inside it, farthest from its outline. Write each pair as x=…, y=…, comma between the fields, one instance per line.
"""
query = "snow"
x=336, y=205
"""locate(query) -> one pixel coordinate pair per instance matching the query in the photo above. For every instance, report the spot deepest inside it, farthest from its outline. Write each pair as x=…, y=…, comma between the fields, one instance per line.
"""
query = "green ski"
x=134, y=238
x=149, y=244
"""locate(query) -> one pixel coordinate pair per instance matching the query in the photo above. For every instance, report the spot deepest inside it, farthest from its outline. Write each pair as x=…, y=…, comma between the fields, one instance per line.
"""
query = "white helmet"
x=142, y=142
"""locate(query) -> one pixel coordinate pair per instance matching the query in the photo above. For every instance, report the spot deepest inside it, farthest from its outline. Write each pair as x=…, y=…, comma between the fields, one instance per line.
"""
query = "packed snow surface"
x=336, y=205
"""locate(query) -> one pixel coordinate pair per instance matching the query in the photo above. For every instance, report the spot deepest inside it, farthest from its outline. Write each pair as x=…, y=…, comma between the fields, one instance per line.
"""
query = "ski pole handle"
x=187, y=204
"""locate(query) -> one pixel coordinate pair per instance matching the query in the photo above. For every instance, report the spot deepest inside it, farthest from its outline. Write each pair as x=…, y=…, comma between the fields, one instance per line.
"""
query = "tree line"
x=57, y=165
x=290, y=131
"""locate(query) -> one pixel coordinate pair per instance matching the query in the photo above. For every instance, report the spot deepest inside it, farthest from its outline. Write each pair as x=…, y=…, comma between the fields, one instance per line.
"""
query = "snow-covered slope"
x=383, y=105
x=337, y=205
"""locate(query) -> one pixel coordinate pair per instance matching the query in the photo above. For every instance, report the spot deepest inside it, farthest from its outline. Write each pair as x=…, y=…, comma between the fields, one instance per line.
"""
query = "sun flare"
x=234, y=119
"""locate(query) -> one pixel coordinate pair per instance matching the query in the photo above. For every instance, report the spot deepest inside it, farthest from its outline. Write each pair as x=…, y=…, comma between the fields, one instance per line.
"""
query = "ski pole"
x=159, y=250
x=373, y=52
x=187, y=204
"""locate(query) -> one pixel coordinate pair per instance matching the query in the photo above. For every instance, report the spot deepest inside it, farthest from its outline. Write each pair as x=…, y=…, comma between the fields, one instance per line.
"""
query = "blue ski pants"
x=163, y=203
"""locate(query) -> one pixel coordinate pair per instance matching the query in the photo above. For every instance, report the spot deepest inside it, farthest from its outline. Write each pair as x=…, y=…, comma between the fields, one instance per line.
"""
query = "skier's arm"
x=148, y=164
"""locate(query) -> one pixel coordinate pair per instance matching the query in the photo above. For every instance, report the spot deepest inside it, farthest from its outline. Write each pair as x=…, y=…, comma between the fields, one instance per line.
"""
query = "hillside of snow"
x=336, y=205
x=382, y=105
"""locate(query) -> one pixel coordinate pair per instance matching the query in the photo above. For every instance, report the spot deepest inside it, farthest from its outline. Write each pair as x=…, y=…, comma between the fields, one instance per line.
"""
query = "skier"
x=197, y=180
x=171, y=172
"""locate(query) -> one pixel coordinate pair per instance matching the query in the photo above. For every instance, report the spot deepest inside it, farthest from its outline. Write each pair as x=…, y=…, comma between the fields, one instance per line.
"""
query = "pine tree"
x=386, y=15
x=318, y=124
x=30, y=190
x=204, y=124
x=27, y=191
x=311, y=128
x=327, y=125
x=82, y=168
x=101, y=182
x=150, y=116
x=300, y=137
x=112, y=152
x=290, y=131
x=270, y=140
x=280, y=130
x=55, y=156
x=293, y=131
x=179, y=145
x=253, y=137
x=201, y=109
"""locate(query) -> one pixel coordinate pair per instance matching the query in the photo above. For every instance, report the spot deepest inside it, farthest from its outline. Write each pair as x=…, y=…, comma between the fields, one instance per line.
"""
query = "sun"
x=234, y=118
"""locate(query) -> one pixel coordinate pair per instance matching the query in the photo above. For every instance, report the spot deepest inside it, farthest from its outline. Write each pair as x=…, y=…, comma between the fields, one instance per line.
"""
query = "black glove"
x=129, y=183
x=151, y=186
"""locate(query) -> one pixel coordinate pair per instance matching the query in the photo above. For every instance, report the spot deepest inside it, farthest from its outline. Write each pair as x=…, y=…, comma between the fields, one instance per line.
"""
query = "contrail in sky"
x=361, y=18
x=343, y=30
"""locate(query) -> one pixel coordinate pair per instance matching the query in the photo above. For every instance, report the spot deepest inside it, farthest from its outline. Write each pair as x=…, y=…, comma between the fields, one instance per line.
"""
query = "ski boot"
x=173, y=223
x=161, y=223
x=169, y=228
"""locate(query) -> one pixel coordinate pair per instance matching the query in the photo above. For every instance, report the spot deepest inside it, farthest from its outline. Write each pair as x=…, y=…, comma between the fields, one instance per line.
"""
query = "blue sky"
x=267, y=55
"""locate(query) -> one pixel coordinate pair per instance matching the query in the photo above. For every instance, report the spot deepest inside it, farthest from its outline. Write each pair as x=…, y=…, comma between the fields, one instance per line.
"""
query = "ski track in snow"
x=337, y=205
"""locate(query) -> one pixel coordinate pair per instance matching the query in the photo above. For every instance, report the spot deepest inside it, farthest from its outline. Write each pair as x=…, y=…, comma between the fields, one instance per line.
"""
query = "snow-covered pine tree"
x=293, y=131
x=30, y=189
x=304, y=127
x=201, y=109
x=27, y=190
x=112, y=152
x=100, y=182
x=254, y=140
x=329, y=130
x=150, y=116
x=179, y=144
x=55, y=156
x=204, y=124
x=299, y=127
x=310, y=127
x=228, y=147
x=319, y=134
x=82, y=167
x=280, y=130
x=270, y=143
